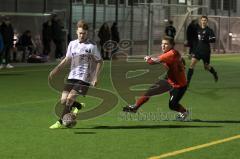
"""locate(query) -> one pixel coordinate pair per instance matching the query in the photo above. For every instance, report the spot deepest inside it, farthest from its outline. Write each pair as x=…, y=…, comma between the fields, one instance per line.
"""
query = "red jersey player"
x=175, y=83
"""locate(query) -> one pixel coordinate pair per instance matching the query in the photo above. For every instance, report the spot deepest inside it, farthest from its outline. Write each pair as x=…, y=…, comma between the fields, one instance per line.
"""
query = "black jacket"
x=192, y=34
x=205, y=37
x=7, y=34
x=115, y=33
x=47, y=32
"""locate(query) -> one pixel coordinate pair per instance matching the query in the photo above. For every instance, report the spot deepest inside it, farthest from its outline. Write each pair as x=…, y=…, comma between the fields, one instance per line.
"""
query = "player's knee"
x=206, y=67
x=64, y=97
x=70, y=100
x=192, y=65
x=63, y=101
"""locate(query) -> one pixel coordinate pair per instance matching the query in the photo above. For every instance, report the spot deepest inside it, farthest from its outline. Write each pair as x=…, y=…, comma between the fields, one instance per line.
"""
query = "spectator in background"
x=170, y=29
x=38, y=45
x=104, y=34
x=36, y=56
x=115, y=34
x=7, y=34
x=1, y=39
x=57, y=34
x=14, y=50
x=1, y=43
x=192, y=35
x=47, y=37
x=26, y=44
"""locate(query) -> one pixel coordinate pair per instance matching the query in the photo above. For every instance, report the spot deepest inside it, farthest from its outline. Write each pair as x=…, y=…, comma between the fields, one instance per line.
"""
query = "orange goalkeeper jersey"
x=176, y=72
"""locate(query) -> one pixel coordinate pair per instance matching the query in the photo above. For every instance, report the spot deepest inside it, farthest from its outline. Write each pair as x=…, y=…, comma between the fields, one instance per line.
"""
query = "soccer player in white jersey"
x=86, y=61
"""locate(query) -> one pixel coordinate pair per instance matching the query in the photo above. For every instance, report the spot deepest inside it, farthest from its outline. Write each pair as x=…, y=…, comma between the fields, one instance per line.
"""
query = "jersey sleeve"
x=212, y=37
x=166, y=57
x=96, y=53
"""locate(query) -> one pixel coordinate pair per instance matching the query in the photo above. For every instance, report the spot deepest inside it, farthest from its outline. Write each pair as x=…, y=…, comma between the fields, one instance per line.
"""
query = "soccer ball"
x=69, y=120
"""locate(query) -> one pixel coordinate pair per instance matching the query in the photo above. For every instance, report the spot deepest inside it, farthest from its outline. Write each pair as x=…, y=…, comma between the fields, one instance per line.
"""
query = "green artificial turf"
x=27, y=110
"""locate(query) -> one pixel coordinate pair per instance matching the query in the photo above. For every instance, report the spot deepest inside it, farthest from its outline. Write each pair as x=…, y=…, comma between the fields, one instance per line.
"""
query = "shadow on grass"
x=209, y=93
x=83, y=133
x=216, y=121
x=151, y=127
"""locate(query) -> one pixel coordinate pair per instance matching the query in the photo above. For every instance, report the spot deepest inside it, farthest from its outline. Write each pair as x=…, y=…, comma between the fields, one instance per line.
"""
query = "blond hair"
x=82, y=24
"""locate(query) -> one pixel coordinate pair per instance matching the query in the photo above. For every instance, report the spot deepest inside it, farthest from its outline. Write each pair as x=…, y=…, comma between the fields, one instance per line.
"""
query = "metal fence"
x=147, y=26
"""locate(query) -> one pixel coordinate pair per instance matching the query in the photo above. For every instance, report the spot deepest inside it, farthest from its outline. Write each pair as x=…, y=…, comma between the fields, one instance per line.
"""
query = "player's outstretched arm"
x=59, y=67
x=151, y=60
x=97, y=72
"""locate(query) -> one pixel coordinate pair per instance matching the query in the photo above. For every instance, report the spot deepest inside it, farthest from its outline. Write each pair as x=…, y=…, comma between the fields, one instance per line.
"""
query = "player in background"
x=175, y=83
x=192, y=36
x=170, y=29
x=86, y=61
x=202, y=49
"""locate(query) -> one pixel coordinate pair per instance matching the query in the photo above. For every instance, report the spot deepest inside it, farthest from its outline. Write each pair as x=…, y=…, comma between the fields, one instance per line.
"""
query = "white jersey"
x=83, y=60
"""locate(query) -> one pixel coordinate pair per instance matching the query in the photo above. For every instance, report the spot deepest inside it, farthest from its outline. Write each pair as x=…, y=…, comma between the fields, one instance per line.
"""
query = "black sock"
x=67, y=108
x=77, y=105
x=214, y=73
x=189, y=74
x=212, y=70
